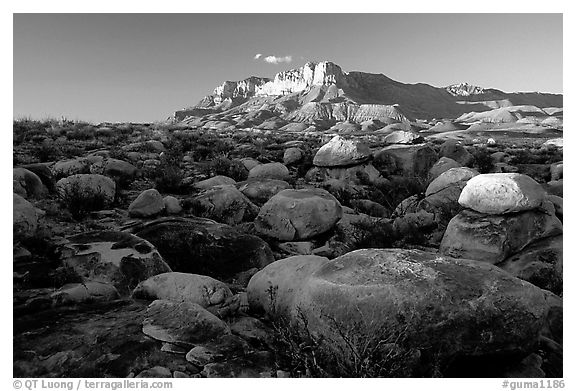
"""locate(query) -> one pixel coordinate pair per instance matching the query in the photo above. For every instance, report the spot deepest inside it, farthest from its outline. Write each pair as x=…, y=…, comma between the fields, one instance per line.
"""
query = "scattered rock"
x=223, y=203
x=261, y=190
x=184, y=287
x=455, y=150
x=172, y=205
x=443, y=164
x=270, y=171
x=292, y=155
x=181, y=323
x=149, y=203
x=341, y=152
x=214, y=181
x=298, y=214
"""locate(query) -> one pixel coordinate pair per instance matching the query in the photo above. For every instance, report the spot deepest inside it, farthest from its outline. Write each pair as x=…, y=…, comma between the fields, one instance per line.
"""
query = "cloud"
x=277, y=60
x=256, y=57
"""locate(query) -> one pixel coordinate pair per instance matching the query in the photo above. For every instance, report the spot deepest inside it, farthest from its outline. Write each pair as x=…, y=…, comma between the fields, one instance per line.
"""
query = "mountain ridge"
x=323, y=91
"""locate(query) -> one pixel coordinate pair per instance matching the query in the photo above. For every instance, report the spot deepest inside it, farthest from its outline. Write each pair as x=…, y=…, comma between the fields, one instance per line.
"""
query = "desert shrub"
x=118, y=153
x=224, y=166
x=397, y=189
x=483, y=160
x=358, y=349
x=168, y=178
x=81, y=133
x=79, y=202
x=305, y=163
x=374, y=234
x=547, y=155
x=47, y=151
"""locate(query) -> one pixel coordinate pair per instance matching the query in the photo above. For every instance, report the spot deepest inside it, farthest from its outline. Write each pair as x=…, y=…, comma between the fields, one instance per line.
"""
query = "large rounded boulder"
x=149, y=203
x=298, y=214
x=493, y=238
x=502, y=193
x=87, y=188
x=24, y=218
x=28, y=183
x=261, y=190
x=340, y=152
x=203, y=246
x=223, y=203
x=270, y=170
x=184, y=287
x=428, y=314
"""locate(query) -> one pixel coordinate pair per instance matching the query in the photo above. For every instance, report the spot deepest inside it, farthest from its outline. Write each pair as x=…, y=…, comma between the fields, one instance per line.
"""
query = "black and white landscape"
x=321, y=222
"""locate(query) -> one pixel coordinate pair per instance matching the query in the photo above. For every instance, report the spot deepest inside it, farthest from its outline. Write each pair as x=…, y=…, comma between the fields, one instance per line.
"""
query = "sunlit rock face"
x=311, y=74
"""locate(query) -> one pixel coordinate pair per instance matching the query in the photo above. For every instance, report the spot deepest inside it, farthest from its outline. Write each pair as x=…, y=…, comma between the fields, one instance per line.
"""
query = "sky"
x=143, y=67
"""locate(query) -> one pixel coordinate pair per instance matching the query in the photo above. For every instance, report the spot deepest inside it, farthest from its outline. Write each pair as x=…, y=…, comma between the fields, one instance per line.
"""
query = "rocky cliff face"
x=238, y=89
x=464, y=89
x=297, y=80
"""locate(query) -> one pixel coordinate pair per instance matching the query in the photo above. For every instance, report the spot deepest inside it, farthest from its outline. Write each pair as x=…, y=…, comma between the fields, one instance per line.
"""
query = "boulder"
x=249, y=163
x=427, y=313
x=24, y=218
x=261, y=190
x=184, y=287
x=453, y=177
x=406, y=160
x=202, y=246
x=270, y=170
x=341, y=152
x=29, y=182
x=292, y=155
x=502, y=193
x=273, y=289
x=42, y=170
x=402, y=137
x=493, y=238
x=558, y=203
x=65, y=168
x=408, y=205
x=87, y=188
x=298, y=214
x=149, y=203
x=455, y=150
x=443, y=164
x=182, y=323
x=84, y=292
x=172, y=205
x=556, y=171
x=540, y=263
x=115, y=168
x=118, y=258
x=223, y=203
x=214, y=181
x=555, y=187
